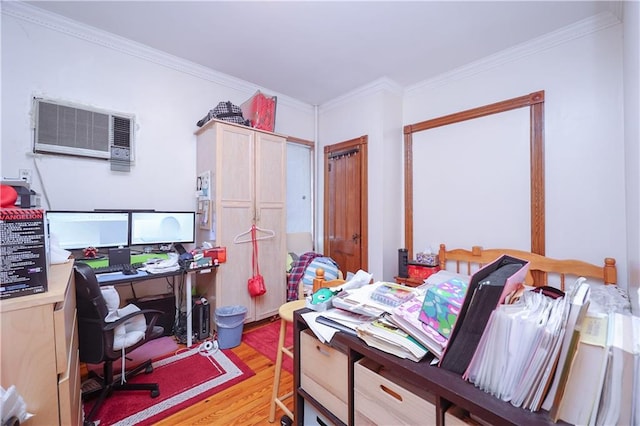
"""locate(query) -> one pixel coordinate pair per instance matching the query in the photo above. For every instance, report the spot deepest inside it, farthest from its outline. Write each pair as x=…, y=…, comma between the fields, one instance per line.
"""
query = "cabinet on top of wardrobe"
x=242, y=174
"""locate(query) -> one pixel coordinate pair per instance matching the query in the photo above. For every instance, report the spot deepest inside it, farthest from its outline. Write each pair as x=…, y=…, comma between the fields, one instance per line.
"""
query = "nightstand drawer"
x=383, y=399
x=324, y=374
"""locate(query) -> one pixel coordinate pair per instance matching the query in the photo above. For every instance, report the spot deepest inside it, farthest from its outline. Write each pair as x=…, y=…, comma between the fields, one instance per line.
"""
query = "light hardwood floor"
x=246, y=403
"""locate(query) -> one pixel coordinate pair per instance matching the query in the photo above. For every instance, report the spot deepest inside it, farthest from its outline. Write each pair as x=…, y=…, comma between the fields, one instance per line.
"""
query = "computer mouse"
x=129, y=271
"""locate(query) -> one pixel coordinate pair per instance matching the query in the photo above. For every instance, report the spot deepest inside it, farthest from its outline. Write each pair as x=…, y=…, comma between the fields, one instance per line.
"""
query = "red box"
x=216, y=253
x=260, y=110
x=421, y=271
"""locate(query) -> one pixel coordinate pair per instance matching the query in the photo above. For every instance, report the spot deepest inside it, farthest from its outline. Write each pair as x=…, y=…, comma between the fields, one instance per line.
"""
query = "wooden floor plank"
x=246, y=403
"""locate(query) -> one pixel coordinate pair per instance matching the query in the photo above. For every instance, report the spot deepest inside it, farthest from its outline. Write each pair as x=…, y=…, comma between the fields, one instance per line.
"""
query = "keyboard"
x=117, y=268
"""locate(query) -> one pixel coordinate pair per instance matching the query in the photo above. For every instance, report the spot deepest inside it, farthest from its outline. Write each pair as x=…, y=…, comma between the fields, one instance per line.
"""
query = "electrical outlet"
x=25, y=174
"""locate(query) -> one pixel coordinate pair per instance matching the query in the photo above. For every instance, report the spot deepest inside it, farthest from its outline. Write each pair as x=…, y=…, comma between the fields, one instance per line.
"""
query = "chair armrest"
x=112, y=325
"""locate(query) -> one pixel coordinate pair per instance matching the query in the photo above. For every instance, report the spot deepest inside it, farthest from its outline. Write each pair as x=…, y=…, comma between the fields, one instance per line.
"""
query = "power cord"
x=208, y=348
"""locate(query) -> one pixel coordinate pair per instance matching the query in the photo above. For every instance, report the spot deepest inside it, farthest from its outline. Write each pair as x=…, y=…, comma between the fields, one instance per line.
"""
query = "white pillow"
x=132, y=331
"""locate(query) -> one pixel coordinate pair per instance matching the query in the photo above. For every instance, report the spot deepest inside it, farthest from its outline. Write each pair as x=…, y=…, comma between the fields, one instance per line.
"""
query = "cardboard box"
x=23, y=252
x=383, y=398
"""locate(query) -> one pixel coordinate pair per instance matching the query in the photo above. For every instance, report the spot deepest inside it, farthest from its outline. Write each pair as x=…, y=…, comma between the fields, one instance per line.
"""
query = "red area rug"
x=184, y=378
x=265, y=340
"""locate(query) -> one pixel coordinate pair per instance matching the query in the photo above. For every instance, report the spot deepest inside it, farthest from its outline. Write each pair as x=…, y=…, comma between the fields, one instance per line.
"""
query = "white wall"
x=374, y=111
x=580, y=70
x=43, y=55
x=632, y=142
x=588, y=212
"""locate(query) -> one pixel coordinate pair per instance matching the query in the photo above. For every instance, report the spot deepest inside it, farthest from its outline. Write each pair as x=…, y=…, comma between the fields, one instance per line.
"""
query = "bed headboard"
x=467, y=261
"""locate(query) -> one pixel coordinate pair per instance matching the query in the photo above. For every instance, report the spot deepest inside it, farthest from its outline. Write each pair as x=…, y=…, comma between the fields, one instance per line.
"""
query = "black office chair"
x=96, y=339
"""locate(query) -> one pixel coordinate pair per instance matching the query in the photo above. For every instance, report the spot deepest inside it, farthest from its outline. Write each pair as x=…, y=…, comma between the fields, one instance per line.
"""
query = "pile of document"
x=536, y=349
x=518, y=349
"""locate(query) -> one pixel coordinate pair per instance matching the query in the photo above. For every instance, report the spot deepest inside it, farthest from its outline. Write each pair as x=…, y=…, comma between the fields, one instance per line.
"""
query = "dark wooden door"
x=345, y=204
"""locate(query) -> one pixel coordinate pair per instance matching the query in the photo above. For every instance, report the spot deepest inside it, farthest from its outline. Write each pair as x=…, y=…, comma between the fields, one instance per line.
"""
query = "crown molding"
x=579, y=29
x=58, y=23
x=376, y=86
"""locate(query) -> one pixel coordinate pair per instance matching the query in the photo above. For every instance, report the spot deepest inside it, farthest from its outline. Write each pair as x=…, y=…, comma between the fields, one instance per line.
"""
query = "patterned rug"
x=184, y=378
x=265, y=340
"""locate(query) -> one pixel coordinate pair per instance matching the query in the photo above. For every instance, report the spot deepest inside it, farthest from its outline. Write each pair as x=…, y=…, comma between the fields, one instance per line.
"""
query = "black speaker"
x=403, y=263
x=162, y=302
x=200, y=318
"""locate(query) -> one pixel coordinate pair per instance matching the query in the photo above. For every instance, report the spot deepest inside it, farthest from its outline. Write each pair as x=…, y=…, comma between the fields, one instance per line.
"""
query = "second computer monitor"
x=150, y=228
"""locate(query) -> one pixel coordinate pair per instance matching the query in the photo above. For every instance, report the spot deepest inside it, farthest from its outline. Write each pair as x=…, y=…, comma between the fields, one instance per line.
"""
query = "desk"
x=118, y=278
x=448, y=388
x=39, y=350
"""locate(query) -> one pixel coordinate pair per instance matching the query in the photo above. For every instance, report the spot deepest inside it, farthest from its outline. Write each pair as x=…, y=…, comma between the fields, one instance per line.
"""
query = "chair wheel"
x=155, y=393
x=285, y=421
x=149, y=369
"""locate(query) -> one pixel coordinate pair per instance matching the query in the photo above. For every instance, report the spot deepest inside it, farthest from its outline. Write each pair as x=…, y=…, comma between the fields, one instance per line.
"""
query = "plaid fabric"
x=225, y=111
x=297, y=272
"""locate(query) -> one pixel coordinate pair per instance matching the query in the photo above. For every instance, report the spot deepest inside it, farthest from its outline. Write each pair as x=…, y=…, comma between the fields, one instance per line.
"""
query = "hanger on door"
x=264, y=235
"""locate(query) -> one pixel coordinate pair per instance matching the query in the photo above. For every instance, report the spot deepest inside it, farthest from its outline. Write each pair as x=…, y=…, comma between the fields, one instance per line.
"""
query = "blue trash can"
x=229, y=323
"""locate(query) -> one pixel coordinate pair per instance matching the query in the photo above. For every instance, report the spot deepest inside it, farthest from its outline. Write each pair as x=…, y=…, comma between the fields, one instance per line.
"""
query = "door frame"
x=359, y=144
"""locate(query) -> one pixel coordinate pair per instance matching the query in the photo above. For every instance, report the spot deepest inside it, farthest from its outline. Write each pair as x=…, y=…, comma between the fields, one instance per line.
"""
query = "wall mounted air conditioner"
x=65, y=128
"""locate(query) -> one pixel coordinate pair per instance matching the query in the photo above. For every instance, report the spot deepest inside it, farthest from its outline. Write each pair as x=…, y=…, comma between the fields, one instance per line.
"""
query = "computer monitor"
x=75, y=230
x=149, y=228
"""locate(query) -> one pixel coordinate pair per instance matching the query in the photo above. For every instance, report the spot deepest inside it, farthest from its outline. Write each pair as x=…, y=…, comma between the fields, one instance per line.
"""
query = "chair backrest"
x=89, y=298
x=94, y=342
x=319, y=281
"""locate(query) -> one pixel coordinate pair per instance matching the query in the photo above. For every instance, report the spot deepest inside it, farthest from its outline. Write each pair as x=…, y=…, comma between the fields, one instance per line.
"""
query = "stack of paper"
x=620, y=397
x=406, y=316
x=515, y=356
x=578, y=297
x=579, y=398
x=384, y=335
x=367, y=300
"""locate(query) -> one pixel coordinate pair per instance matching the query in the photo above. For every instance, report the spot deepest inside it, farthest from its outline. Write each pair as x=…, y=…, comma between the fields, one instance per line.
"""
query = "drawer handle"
x=323, y=351
x=391, y=393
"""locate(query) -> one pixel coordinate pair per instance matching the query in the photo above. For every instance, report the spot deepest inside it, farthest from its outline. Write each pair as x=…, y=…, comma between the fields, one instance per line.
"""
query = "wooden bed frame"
x=543, y=271
x=540, y=267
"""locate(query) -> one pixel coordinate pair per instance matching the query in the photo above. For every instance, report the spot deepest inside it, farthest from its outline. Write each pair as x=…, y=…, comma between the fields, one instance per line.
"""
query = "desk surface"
x=114, y=278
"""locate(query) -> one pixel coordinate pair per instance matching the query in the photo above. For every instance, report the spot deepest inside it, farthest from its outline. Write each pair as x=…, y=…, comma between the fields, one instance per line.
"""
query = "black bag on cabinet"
x=225, y=111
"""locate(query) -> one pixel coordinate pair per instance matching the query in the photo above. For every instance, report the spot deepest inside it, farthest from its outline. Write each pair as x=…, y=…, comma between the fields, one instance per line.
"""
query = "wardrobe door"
x=270, y=207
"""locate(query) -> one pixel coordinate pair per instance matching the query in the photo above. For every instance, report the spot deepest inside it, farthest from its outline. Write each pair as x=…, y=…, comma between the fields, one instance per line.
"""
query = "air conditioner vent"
x=121, y=132
x=68, y=129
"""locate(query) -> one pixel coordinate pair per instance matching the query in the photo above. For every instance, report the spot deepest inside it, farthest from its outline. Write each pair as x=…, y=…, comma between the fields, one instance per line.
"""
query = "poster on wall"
x=204, y=214
x=204, y=194
x=203, y=186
